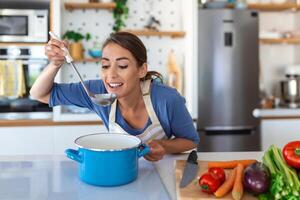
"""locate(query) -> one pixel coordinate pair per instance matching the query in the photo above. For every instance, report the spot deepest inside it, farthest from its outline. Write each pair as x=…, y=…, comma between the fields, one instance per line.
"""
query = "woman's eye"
x=105, y=66
x=123, y=66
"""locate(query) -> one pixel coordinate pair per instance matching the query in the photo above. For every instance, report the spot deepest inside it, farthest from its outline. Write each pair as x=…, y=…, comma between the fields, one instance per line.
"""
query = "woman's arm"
x=168, y=146
x=177, y=145
x=42, y=86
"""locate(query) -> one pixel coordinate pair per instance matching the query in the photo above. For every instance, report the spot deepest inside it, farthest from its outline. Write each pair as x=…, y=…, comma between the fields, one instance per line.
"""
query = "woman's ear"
x=143, y=70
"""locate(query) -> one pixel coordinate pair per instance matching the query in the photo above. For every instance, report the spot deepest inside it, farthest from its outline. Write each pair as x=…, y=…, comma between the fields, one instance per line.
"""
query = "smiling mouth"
x=114, y=85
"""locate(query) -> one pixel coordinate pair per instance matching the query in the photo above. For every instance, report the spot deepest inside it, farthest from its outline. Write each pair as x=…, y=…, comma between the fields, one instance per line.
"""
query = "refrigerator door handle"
x=233, y=133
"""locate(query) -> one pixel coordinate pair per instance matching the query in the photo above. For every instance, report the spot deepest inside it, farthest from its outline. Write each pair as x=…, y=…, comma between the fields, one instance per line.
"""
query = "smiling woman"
x=144, y=107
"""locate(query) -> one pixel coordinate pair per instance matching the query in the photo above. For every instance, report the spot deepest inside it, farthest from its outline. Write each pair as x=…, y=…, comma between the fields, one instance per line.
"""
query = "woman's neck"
x=132, y=102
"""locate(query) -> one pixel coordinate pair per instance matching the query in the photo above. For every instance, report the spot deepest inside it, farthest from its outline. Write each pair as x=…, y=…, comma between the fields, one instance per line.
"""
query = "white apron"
x=153, y=131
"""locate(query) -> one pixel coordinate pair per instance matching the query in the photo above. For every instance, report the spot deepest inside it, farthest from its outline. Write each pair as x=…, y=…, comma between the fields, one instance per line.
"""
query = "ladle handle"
x=81, y=80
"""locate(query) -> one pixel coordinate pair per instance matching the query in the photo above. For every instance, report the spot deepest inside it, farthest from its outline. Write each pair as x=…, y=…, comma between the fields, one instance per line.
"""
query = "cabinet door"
x=64, y=136
x=279, y=132
x=26, y=140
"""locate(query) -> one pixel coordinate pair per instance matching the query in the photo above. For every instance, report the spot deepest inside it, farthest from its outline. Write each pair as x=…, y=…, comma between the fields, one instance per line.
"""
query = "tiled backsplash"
x=174, y=15
x=99, y=24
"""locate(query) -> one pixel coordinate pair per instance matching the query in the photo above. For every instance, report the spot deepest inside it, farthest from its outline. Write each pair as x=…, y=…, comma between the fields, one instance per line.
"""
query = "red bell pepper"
x=219, y=172
x=291, y=154
x=209, y=182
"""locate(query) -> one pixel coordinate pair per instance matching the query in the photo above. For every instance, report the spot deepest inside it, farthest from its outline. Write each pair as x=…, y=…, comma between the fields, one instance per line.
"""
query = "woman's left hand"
x=157, y=151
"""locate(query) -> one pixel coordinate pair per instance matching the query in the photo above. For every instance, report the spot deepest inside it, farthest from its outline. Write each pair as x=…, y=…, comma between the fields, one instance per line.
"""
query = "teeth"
x=114, y=85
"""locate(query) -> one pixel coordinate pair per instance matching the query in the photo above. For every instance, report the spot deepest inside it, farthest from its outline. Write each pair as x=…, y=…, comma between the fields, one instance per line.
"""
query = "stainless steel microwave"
x=24, y=25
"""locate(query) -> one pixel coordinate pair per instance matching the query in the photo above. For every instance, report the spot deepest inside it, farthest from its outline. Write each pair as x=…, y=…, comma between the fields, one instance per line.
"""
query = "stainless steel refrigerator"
x=228, y=80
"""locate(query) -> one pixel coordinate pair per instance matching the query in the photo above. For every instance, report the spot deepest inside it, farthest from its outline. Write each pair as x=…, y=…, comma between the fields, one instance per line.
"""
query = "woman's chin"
x=114, y=92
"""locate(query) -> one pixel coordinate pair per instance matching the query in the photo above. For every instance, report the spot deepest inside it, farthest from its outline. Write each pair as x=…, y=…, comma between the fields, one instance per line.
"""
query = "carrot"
x=230, y=164
x=238, y=190
x=227, y=185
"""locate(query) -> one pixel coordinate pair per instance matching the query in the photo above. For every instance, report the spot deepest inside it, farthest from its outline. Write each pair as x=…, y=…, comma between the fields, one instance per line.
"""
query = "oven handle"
x=27, y=62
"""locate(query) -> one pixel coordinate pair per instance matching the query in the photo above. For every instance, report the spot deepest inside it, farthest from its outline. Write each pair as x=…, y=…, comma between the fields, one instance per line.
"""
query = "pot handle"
x=74, y=155
x=143, y=150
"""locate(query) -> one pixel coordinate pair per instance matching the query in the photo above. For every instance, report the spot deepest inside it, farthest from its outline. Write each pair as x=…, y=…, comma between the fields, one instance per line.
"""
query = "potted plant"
x=76, y=47
x=120, y=14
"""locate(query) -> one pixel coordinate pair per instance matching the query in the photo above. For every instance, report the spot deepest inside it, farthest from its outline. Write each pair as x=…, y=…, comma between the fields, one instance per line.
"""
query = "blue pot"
x=108, y=159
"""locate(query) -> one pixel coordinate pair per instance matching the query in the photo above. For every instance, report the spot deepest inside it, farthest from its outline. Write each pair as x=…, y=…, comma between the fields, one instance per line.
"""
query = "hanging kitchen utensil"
x=12, y=81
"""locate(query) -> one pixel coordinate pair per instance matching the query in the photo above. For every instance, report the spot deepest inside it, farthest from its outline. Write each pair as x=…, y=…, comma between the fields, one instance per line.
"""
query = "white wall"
x=190, y=23
x=274, y=58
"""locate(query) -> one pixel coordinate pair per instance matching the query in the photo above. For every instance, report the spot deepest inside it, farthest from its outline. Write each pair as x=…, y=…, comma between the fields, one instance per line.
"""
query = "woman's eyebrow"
x=122, y=58
x=103, y=58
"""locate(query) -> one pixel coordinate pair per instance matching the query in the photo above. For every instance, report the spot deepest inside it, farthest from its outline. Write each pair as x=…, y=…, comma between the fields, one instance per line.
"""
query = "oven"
x=31, y=60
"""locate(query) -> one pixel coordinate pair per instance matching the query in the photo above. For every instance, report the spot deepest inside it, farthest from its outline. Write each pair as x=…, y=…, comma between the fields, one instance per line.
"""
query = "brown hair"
x=136, y=47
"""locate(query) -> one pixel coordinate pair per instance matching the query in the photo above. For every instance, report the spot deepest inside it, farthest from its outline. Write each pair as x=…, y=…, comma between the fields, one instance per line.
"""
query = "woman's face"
x=120, y=71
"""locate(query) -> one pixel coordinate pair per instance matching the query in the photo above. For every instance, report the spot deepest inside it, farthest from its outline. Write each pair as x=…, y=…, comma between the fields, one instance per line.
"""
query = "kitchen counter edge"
x=277, y=113
x=45, y=122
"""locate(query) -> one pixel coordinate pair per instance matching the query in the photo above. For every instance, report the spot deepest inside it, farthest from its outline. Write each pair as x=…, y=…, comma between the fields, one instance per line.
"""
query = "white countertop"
x=277, y=113
x=55, y=177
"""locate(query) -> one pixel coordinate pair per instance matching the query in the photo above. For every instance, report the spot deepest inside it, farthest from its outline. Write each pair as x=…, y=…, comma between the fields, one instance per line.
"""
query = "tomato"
x=291, y=154
x=209, y=182
x=219, y=172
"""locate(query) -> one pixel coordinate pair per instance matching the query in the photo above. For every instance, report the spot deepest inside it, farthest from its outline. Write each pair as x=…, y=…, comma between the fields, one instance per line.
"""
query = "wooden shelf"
x=173, y=34
x=271, y=7
x=280, y=41
x=44, y=122
x=88, y=60
x=73, y=6
x=274, y=7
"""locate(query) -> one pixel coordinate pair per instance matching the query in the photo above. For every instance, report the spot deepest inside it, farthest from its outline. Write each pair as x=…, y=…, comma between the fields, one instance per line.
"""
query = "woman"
x=144, y=108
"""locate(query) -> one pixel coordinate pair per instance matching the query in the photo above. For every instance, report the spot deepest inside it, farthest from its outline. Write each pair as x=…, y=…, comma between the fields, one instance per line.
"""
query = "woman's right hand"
x=54, y=52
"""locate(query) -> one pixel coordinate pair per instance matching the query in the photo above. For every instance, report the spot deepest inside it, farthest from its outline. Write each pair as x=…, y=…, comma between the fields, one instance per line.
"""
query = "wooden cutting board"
x=193, y=191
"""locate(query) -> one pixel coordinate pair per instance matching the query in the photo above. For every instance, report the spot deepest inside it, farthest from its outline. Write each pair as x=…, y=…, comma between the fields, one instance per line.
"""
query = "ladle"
x=100, y=99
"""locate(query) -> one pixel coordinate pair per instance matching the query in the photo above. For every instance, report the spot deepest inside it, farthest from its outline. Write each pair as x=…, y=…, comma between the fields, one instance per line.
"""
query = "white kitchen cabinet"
x=26, y=140
x=47, y=140
x=64, y=136
x=279, y=132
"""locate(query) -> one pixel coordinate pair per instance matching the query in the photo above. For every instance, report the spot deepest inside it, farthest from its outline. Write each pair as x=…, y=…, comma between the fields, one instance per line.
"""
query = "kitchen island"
x=278, y=126
x=55, y=177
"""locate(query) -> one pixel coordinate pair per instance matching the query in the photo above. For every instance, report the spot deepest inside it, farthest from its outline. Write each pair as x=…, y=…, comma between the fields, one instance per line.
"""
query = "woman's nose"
x=112, y=71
